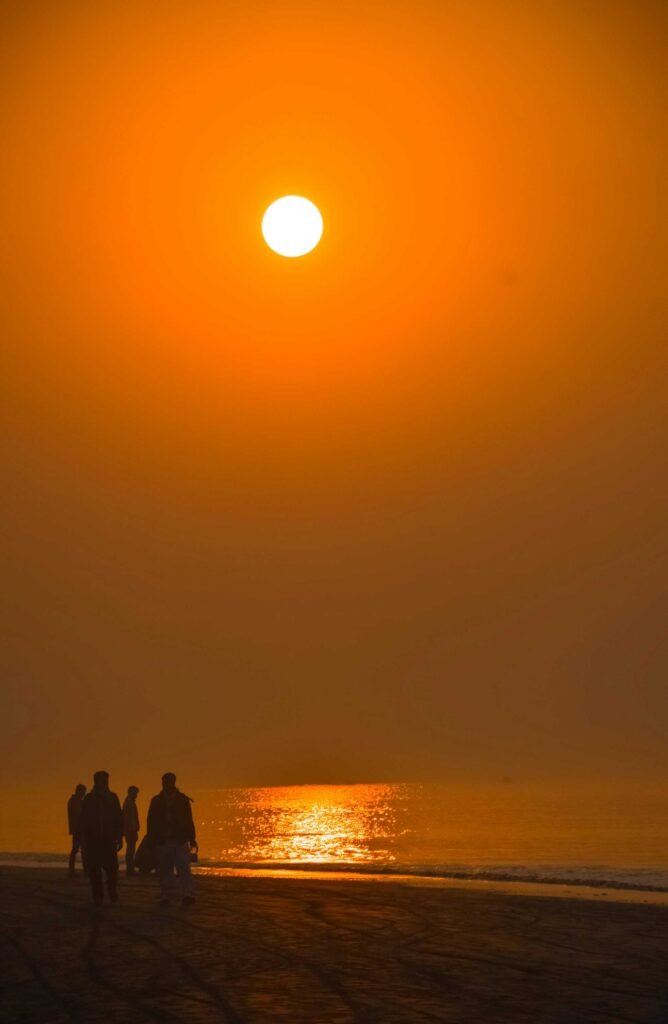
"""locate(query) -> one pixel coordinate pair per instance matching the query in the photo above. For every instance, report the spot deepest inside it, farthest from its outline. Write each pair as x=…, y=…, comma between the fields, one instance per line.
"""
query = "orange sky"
x=261, y=474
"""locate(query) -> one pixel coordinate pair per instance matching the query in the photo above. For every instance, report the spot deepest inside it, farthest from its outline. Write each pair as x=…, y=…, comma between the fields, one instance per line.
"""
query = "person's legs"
x=165, y=863
x=182, y=864
x=73, y=855
x=95, y=876
x=111, y=868
x=130, y=847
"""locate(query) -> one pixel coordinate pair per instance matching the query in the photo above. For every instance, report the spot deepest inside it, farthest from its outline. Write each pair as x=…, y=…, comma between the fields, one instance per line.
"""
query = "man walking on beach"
x=101, y=831
x=171, y=831
x=74, y=805
x=130, y=828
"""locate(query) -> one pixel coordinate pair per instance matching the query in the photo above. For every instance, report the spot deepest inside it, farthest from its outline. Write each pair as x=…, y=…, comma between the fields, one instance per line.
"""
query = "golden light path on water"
x=310, y=824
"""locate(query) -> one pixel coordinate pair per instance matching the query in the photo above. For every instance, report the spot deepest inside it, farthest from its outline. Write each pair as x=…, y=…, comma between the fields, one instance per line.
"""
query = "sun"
x=292, y=226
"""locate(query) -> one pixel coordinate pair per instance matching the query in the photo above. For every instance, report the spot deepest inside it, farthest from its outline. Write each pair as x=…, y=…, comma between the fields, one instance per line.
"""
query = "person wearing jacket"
x=130, y=828
x=74, y=805
x=171, y=832
x=101, y=832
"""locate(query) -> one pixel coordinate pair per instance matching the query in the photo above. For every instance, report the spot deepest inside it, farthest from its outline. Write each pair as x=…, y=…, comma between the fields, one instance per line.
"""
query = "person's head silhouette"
x=80, y=790
x=133, y=791
x=169, y=782
x=101, y=780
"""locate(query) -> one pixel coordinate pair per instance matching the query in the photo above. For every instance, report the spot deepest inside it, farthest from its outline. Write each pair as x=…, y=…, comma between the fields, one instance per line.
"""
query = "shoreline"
x=506, y=887
x=265, y=950
x=609, y=891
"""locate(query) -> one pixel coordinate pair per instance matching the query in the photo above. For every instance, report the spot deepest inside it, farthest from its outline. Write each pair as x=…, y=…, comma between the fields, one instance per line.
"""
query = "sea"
x=611, y=834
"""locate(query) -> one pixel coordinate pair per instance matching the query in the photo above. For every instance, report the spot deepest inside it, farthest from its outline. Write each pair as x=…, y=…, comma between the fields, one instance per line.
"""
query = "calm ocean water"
x=612, y=834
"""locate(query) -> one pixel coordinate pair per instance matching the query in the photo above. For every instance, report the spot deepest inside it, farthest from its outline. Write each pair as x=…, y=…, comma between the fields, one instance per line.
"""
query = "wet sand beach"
x=326, y=952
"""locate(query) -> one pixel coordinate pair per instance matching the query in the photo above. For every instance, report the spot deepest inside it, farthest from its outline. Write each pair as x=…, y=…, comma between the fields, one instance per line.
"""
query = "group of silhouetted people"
x=99, y=825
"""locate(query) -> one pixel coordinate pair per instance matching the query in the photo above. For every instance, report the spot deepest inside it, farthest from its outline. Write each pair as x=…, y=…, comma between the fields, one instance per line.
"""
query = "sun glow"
x=292, y=226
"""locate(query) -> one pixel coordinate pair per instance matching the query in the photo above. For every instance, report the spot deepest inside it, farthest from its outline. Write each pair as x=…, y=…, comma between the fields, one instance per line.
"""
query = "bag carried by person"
x=145, y=857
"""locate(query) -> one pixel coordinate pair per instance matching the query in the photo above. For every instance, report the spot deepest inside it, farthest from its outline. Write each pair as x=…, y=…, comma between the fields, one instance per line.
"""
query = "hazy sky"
x=393, y=511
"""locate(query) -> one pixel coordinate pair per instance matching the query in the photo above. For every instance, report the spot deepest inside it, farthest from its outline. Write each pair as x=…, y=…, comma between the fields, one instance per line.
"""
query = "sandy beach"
x=336, y=952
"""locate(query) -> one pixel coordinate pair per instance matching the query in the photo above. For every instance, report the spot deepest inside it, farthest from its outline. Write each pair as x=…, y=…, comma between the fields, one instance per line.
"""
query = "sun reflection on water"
x=306, y=824
x=458, y=826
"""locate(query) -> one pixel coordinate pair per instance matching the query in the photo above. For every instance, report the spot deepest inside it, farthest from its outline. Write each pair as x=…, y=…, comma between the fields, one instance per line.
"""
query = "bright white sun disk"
x=292, y=226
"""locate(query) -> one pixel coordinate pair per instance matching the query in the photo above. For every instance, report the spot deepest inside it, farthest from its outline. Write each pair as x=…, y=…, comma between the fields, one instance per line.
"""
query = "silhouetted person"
x=101, y=830
x=171, y=831
x=130, y=828
x=74, y=805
